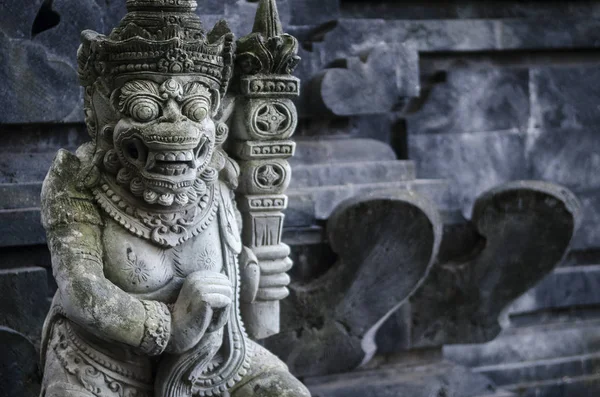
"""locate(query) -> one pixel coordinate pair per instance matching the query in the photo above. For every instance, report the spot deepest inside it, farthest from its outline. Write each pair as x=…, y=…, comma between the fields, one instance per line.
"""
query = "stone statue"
x=155, y=264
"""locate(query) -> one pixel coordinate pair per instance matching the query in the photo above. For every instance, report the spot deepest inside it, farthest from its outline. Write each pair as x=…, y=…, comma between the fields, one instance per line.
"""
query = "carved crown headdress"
x=159, y=36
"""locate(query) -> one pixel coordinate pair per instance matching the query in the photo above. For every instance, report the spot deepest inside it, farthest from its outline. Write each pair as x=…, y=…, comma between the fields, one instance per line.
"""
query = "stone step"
x=305, y=176
x=542, y=370
x=565, y=287
x=517, y=345
x=19, y=227
x=339, y=150
x=20, y=195
x=23, y=306
x=435, y=379
x=309, y=205
x=24, y=167
x=498, y=393
x=583, y=386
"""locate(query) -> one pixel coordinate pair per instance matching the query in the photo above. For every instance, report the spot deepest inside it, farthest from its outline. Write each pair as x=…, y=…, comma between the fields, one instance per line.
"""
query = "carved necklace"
x=165, y=227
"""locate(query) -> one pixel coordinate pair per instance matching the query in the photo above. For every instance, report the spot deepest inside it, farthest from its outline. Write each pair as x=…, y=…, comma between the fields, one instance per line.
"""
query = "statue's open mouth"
x=165, y=160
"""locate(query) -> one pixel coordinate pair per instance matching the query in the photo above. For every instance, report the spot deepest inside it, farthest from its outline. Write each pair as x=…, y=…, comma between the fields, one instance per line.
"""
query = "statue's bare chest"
x=138, y=266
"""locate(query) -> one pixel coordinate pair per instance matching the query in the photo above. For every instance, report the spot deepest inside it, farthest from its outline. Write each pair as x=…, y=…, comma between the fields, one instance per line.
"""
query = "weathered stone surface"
x=563, y=98
x=552, y=358
x=573, y=286
x=472, y=162
x=19, y=372
x=352, y=173
x=310, y=151
x=425, y=380
x=17, y=196
x=542, y=370
x=314, y=12
x=25, y=300
x=63, y=40
x=24, y=167
x=494, y=9
x=36, y=85
x=588, y=235
x=532, y=343
x=475, y=100
x=372, y=83
x=569, y=156
x=386, y=242
x=17, y=19
x=525, y=229
x=21, y=227
x=325, y=199
x=559, y=32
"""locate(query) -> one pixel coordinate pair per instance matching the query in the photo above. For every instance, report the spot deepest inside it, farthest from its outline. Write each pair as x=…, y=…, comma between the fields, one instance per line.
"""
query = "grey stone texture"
x=19, y=371
x=418, y=380
x=507, y=91
x=386, y=242
x=524, y=230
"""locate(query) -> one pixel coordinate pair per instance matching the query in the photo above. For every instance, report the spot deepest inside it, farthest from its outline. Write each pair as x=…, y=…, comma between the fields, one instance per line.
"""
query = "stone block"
x=426, y=380
x=63, y=40
x=20, y=195
x=352, y=173
x=370, y=83
x=325, y=199
x=475, y=100
x=16, y=20
x=24, y=167
x=553, y=33
x=314, y=12
x=472, y=162
x=37, y=86
x=531, y=343
x=565, y=287
x=19, y=227
x=588, y=236
x=569, y=156
x=19, y=372
x=542, y=370
x=310, y=151
x=563, y=98
x=25, y=300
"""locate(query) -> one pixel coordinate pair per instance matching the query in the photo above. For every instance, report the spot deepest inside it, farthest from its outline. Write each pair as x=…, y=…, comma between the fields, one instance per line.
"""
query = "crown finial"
x=267, y=20
x=162, y=5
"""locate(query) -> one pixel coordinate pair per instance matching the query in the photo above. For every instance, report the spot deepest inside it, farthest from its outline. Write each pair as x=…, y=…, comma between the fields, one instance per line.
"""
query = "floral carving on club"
x=165, y=229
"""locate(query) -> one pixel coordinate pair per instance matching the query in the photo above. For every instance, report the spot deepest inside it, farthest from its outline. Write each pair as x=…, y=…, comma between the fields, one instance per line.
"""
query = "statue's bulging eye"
x=196, y=109
x=144, y=109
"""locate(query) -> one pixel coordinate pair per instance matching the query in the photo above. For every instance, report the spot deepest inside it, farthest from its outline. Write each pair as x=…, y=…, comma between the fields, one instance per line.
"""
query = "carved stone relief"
x=155, y=278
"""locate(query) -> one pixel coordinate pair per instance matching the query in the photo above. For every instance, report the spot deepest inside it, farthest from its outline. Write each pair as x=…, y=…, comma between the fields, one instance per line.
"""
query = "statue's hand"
x=250, y=273
x=203, y=305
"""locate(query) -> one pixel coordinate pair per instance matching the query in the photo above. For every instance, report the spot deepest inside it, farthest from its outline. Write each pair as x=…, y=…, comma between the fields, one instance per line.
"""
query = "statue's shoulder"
x=64, y=200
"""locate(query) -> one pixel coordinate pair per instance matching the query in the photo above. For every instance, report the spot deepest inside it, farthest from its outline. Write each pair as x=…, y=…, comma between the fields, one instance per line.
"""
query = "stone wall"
x=479, y=93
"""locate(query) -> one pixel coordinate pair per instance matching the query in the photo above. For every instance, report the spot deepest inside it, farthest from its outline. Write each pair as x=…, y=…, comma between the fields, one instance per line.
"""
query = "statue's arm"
x=73, y=226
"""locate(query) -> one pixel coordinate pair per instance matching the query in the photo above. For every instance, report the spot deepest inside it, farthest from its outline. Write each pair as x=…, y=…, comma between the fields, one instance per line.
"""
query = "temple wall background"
x=478, y=93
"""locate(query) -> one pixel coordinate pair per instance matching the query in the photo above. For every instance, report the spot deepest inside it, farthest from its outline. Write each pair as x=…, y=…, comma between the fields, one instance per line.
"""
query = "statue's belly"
x=139, y=267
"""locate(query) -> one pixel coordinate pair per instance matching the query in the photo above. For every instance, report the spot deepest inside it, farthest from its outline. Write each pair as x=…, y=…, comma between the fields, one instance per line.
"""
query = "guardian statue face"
x=153, y=90
x=165, y=136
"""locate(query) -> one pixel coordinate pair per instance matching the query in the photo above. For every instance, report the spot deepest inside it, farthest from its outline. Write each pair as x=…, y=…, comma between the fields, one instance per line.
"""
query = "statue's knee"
x=273, y=384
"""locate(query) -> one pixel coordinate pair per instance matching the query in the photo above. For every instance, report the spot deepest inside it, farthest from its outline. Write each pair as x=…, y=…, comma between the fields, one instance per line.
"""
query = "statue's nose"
x=171, y=112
